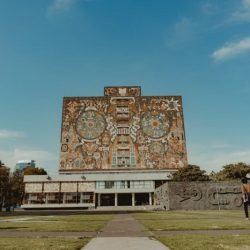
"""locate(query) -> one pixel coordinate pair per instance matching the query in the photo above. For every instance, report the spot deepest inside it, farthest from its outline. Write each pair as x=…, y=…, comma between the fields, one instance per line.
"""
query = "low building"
x=115, y=151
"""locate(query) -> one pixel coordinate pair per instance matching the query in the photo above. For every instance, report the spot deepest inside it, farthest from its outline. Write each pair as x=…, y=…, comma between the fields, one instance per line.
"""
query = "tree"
x=16, y=189
x=15, y=186
x=190, y=173
x=4, y=183
x=233, y=172
x=34, y=171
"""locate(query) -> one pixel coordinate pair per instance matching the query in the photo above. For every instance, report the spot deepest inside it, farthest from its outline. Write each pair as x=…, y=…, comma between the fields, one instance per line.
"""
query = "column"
x=64, y=198
x=133, y=199
x=29, y=198
x=116, y=199
x=60, y=195
x=150, y=199
x=94, y=197
x=99, y=199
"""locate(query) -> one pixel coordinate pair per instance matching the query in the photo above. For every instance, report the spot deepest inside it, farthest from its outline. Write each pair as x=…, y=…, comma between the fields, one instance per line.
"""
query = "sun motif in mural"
x=90, y=125
x=154, y=126
x=173, y=104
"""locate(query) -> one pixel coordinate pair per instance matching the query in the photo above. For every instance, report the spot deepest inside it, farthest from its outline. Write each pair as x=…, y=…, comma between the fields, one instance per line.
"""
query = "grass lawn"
x=42, y=243
x=69, y=223
x=193, y=220
x=206, y=242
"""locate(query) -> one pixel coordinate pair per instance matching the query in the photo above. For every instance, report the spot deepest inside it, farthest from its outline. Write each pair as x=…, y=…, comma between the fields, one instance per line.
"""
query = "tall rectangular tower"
x=122, y=131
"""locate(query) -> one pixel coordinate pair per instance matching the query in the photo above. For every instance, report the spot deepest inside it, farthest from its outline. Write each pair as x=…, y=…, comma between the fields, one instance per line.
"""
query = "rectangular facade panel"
x=51, y=187
x=86, y=186
x=33, y=187
x=122, y=130
x=68, y=187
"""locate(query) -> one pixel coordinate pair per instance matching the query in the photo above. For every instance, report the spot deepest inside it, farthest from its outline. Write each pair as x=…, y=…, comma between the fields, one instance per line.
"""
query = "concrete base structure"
x=128, y=191
x=90, y=190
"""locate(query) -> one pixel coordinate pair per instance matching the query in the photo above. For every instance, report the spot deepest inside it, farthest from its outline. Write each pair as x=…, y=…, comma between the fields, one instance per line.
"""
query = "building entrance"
x=141, y=199
x=124, y=199
x=107, y=199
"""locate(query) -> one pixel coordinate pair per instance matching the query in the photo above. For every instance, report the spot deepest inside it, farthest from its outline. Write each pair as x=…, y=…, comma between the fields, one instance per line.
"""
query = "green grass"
x=193, y=220
x=68, y=223
x=42, y=243
x=206, y=242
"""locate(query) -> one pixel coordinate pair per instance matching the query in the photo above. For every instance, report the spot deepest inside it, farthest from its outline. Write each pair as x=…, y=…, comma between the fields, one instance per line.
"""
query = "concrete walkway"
x=124, y=233
x=124, y=243
x=124, y=225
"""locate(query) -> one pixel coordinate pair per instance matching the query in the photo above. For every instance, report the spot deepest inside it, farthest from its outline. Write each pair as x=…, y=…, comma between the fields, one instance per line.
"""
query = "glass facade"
x=124, y=184
x=20, y=165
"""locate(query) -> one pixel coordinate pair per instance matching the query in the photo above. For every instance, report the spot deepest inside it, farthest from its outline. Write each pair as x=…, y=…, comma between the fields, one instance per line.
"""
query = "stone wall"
x=199, y=195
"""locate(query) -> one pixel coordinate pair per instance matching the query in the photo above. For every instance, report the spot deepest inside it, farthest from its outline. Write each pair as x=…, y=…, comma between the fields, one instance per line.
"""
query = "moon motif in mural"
x=154, y=126
x=90, y=125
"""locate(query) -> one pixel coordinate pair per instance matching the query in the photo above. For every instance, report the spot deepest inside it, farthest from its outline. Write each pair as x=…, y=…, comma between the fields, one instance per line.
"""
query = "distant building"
x=115, y=151
x=20, y=165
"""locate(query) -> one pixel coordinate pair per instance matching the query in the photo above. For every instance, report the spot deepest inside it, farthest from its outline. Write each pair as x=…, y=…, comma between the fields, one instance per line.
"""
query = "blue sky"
x=54, y=48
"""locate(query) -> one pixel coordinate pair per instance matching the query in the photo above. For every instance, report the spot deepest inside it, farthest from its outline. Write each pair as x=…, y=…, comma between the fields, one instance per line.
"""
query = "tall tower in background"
x=20, y=165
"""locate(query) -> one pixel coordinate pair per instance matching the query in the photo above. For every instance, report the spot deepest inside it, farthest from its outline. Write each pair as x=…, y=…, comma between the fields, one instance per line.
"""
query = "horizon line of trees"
x=234, y=171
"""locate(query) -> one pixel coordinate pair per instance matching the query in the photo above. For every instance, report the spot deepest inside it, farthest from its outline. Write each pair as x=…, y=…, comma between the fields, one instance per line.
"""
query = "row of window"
x=124, y=184
x=55, y=198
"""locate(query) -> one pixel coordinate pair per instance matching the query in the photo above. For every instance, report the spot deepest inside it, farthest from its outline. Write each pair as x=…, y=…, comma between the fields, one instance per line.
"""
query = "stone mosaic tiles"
x=122, y=130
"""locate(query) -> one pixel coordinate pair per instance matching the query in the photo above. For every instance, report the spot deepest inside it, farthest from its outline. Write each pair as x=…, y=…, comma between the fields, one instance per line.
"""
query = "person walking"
x=245, y=189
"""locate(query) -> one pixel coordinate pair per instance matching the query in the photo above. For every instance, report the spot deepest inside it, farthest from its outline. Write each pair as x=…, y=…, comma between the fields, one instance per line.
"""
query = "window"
x=71, y=197
x=109, y=184
x=122, y=184
x=87, y=197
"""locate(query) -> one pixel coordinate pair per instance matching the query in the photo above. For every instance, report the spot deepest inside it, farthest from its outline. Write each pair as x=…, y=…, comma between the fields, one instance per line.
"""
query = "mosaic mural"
x=122, y=130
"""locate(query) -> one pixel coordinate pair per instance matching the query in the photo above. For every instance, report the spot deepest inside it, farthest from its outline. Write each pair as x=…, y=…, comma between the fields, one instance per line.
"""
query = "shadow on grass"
x=9, y=228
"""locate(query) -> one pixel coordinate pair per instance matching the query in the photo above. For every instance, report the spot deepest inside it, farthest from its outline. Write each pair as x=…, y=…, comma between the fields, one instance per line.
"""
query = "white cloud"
x=242, y=14
x=214, y=161
x=222, y=146
x=7, y=134
x=43, y=158
x=231, y=50
x=58, y=6
x=210, y=8
x=37, y=155
x=183, y=31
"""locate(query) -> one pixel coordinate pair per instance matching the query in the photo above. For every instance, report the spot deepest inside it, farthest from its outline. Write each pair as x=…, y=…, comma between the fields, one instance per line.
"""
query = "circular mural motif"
x=157, y=148
x=64, y=148
x=154, y=126
x=90, y=125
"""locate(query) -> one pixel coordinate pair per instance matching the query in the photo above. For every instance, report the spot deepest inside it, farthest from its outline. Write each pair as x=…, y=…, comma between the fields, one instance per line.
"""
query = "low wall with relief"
x=199, y=195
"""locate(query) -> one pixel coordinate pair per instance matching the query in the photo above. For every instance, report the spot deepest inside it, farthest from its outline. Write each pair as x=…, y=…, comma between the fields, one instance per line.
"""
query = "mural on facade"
x=122, y=130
